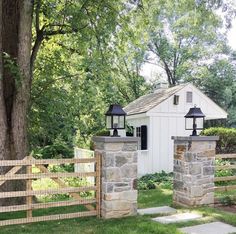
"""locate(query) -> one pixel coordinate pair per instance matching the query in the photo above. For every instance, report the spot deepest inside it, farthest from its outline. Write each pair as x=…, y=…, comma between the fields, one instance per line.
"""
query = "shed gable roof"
x=149, y=101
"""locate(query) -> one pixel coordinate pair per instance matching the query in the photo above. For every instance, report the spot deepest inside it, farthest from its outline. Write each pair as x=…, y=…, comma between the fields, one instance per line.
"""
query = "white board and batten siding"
x=166, y=120
x=138, y=121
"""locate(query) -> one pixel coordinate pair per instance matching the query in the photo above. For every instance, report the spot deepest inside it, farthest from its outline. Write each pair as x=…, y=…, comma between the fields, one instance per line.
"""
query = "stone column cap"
x=108, y=139
x=195, y=138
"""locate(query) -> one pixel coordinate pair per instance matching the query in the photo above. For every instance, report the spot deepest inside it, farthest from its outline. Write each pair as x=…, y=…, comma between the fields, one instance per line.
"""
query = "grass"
x=130, y=225
x=47, y=183
x=154, y=197
x=231, y=193
x=90, y=225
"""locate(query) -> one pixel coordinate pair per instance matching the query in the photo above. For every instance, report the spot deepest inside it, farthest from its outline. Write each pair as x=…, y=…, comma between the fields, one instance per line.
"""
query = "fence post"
x=194, y=158
x=118, y=175
x=98, y=184
x=29, y=188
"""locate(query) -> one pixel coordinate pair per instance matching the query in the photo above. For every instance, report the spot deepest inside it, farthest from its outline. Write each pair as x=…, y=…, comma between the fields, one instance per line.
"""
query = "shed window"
x=142, y=133
x=176, y=99
x=138, y=132
x=189, y=97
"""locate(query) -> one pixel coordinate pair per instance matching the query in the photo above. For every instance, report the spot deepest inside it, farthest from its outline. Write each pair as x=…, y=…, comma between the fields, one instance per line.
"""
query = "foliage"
x=223, y=173
x=91, y=55
x=129, y=130
x=80, y=69
x=182, y=36
x=58, y=149
x=225, y=197
x=227, y=201
x=217, y=80
x=46, y=183
x=152, y=181
x=61, y=168
x=227, y=141
x=12, y=66
x=103, y=132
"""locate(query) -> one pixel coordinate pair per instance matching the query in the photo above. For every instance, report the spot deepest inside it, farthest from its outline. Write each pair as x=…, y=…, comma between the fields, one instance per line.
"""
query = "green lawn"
x=154, y=197
x=132, y=225
x=93, y=225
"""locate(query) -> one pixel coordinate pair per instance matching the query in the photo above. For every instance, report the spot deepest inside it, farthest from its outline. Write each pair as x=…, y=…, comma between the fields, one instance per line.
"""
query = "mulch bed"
x=229, y=208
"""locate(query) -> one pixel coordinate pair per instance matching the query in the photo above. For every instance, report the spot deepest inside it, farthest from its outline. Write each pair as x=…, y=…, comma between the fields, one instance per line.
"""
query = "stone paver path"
x=157, y=210
x=210, y=228
x=182, y=217
x=207, y=228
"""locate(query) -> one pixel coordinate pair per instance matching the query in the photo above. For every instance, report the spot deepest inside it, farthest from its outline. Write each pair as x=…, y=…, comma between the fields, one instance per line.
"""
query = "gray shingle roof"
x=149, y=101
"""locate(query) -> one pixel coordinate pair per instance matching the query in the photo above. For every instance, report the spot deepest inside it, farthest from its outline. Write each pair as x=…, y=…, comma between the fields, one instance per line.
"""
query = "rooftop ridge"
x=149, y=101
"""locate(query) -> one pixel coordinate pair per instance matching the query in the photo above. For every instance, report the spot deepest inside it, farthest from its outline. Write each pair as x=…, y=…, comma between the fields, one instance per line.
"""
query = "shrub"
x=227, y=201
x=227, y=141
x=61, y=168
x=151, y=181
x=58, y=149
x=103, y=132
x=224, y=172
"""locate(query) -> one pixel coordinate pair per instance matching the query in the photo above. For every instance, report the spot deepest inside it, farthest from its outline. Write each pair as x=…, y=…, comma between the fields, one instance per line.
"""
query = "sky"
x=148, y=70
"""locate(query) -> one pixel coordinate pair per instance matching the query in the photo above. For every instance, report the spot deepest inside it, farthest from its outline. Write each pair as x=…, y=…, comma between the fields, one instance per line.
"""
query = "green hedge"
x=227, y=142
x=151, y=181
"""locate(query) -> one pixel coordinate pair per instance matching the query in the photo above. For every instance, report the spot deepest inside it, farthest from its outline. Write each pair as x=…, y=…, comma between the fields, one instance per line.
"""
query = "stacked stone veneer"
x=194, y=158
x=119, y=175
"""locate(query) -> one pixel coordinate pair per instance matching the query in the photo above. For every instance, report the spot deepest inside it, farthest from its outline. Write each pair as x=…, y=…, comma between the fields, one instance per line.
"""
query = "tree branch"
x=38, y=40
x=63, y=31
x=35, y=49
x=38, y=5
x=43, y=32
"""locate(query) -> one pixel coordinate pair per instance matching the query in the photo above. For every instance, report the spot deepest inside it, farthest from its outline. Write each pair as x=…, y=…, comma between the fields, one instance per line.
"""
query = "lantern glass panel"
x=122, y=121
x=200, y=123
x=108, y=121
x=118, y=121
x=115, y=121
x=189, y=123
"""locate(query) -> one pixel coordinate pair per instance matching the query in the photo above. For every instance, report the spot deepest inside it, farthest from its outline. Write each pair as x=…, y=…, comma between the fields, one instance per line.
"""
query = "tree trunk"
x=15, y=49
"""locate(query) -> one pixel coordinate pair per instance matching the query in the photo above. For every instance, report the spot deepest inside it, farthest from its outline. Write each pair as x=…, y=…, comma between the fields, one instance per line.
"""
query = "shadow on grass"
x=42, y=212
x=89, y=225
x=92, y=225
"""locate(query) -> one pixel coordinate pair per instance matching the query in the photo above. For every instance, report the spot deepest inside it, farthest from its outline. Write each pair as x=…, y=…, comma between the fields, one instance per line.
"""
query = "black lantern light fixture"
x=115, y=118
x=194, y=120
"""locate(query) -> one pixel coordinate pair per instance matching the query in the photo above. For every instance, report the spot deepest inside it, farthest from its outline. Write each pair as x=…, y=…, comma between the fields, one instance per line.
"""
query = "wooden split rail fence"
x=92, y=203
x=232, y=158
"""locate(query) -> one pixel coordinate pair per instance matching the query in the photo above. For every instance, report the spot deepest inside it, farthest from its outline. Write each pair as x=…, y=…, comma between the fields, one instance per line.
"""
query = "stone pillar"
x=119, y=175
x=194, y=158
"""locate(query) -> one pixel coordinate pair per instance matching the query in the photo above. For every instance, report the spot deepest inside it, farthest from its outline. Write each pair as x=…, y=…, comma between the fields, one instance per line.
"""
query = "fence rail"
x=92, y=203
x=225, y=178
x=46, y=175
x=31, y=161
x=225, y=156
x=225, y=188
x=226, y=167
x=231, y=157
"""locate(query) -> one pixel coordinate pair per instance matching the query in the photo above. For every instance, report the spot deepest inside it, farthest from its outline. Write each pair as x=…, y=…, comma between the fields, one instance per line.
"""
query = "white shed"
x=157, y=116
